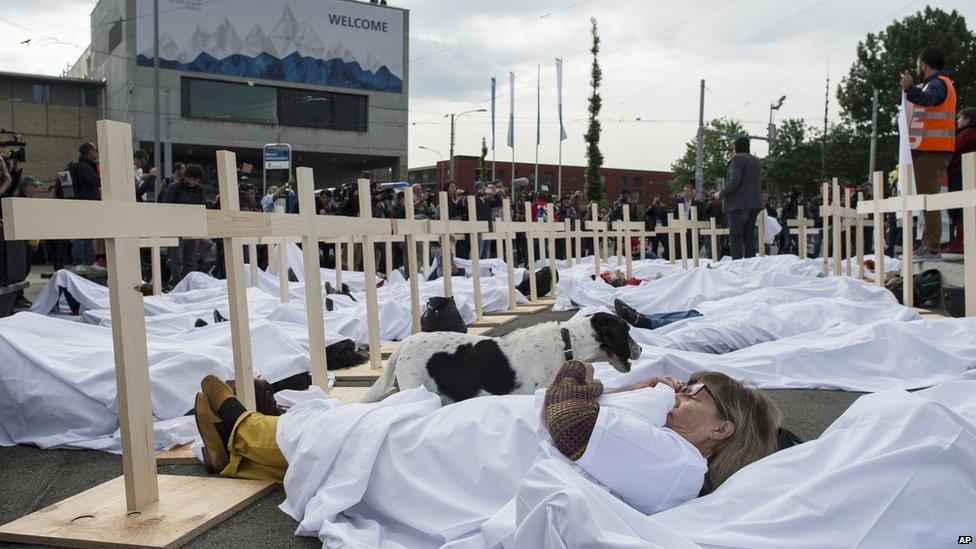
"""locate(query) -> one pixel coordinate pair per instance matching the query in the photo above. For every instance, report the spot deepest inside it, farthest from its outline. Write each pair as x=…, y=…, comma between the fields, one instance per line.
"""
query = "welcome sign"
x=321, y=42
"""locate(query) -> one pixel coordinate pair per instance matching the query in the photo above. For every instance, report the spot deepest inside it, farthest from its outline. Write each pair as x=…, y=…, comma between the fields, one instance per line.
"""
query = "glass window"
x=42, y=93
x=89, y=97
x=623, y=181
x=638, y=182
x=550, y=177
x=228, y=101
x=115, y=35
x=335, y=111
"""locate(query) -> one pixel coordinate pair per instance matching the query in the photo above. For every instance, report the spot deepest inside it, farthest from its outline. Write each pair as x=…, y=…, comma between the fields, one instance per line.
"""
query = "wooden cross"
x=627, y=227
x=550, y=227
x=409, y=228
x=447, y=228
x=155, y=260
x=761, y=232
x=907, y=205
x=168, y=506
x=508, y=228
x=574, y=252
x=531, y=234
x=474, y=228
x=965, y=199
x=683, y=225
x=714, y=232
x=835, y=214
x=802, y=224
x=596, y=227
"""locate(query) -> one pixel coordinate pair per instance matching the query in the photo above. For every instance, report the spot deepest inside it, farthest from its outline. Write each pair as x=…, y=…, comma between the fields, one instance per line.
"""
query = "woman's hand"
x=670, y=381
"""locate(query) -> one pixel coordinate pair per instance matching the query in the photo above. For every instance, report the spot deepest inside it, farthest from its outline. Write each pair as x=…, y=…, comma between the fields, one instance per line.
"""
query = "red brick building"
x=643, y=183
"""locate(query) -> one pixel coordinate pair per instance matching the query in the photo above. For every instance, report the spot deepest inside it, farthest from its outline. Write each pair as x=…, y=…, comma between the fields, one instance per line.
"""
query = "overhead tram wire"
x=721, y=53
x=821, y=58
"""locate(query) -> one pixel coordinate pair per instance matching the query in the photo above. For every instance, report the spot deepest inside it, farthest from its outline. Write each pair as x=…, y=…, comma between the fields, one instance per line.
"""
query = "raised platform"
x=98, y=517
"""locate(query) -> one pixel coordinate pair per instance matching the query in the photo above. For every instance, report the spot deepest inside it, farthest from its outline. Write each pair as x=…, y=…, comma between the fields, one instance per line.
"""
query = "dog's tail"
x=386, y=381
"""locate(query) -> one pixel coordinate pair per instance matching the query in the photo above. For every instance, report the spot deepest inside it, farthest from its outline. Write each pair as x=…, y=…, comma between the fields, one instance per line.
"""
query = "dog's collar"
x=567, y=344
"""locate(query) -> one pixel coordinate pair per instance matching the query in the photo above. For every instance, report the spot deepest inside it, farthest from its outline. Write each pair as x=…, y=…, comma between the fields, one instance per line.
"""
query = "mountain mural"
x=292, y=52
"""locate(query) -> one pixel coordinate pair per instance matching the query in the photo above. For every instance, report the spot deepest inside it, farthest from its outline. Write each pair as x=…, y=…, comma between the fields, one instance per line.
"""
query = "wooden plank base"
x=493, y=321
x=362, y=372
x=348, y=395
x=187, y=507
x=528, y=309
x=177, y=455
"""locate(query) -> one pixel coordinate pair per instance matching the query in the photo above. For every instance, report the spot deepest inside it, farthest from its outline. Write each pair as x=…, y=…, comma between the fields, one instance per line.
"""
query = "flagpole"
x=538, y=122
x=492, y=128
x=562, y=130
x=511, y=125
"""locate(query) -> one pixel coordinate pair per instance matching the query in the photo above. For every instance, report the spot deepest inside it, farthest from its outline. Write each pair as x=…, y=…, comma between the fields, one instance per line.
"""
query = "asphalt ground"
x=31, y=479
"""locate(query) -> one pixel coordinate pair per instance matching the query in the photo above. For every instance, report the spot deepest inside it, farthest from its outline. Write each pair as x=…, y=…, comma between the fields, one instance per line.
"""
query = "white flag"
x=559, y=95
x=511, y=110
x=905, y=168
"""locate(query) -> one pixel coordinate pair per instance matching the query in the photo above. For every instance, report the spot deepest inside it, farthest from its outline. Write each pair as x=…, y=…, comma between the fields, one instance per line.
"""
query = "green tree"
x=718, y=150
x=594, y=158
x=483, y=164
x=883, y=57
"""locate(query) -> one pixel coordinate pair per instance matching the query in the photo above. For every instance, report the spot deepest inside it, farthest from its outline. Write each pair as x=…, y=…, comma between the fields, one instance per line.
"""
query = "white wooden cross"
x=802, y=225
x=508, y=228
x=682, y=227
x=551, y=227
x=629, y=227
x=574, y=241
x=409, y=228
x=714, y=231
x=597, y=228
x=166, y=507
x=531, y=230
x=965, y=199
x=447, y=229
x=907, y=205
x=761, y=232
x=155, y=260
x=837, y=213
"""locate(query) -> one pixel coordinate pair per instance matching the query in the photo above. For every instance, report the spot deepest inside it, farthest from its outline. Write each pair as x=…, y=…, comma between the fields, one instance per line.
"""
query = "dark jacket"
x=483, y=205
x=743, y=187
x=84, y=176
x=179, y=192
x=965, y=143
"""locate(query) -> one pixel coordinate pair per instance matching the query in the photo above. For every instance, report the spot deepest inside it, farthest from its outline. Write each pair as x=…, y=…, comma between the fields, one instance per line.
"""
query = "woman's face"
x=961, y=121
x=697, y=419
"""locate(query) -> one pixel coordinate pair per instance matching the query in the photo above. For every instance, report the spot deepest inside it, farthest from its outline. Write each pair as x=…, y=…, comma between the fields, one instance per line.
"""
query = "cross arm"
x=33, y=218
x=956, y=199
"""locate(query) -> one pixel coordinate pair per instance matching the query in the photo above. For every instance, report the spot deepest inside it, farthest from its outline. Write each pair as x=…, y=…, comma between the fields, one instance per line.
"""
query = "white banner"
x=322, y=42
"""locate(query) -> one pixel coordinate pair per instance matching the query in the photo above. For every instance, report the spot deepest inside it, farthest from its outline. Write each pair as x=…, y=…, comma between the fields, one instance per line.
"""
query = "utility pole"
x=874, y=137
x=168, y=152
x=823, y=151
x=700, y=149
x=450, y=170
x=157, y=152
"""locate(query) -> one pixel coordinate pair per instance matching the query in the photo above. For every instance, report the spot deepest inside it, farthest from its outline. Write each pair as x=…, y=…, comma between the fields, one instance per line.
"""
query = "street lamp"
x=453, y=119
x=435, y=152
x=771, y=131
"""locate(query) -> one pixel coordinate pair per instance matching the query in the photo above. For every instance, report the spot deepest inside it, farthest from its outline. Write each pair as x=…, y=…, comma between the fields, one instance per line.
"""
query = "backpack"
x=442, y=315
x=543, y=283
x=927, y=287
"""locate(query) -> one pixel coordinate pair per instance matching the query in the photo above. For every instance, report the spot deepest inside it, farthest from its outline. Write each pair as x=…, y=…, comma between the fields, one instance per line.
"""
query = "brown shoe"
x=216, y=391
x=215, y=456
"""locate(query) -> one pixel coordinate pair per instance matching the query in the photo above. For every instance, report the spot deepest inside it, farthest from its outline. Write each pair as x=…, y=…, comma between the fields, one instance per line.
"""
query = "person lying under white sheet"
x=895, y=470
x=440, y=472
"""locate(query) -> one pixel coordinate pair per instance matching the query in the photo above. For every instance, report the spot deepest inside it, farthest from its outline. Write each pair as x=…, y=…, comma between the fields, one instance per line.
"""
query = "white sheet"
x=433, y=474
x=895, y=470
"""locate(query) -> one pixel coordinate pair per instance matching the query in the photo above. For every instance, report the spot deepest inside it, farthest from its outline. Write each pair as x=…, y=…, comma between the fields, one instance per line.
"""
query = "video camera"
x=17, y=141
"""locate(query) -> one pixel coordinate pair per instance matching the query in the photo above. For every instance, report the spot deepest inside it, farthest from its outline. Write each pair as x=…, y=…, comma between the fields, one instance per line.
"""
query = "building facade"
x=644, y=184
x=52, y=115
x=328, y=77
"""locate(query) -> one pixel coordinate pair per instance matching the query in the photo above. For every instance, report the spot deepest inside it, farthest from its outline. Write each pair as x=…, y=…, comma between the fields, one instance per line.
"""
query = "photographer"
x=11, y=170
x=486, y=199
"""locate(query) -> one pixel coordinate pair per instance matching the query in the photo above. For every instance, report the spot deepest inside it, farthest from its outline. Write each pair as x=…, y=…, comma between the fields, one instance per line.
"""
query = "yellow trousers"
x=254, y=452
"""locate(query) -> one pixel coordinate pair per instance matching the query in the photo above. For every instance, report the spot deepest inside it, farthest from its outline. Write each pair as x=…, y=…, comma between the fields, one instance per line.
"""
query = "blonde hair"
x=756, y=421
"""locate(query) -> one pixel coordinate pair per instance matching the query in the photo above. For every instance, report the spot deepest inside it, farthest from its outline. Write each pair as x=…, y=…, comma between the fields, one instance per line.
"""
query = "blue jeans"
x=83, y=252
x=482, y=247
x=742, y=232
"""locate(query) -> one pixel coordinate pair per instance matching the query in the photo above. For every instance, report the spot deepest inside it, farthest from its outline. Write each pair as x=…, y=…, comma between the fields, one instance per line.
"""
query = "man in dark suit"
x=742, y=199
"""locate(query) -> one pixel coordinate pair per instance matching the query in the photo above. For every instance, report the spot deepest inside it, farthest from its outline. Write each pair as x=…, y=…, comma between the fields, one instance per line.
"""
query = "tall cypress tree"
x=483, y=164
x=594, y=158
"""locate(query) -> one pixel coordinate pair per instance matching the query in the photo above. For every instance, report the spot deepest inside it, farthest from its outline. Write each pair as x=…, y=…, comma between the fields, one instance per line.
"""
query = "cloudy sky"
x=654, y=53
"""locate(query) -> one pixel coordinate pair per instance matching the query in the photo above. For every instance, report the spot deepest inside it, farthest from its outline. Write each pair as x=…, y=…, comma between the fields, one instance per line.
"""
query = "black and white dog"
x=461, y=366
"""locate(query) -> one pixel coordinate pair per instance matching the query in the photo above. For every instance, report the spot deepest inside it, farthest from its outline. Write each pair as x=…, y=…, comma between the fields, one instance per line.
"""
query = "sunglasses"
x=693, y=389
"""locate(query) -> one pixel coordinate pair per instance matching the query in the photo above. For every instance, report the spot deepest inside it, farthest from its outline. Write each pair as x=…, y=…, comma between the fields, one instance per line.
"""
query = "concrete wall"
x=387, y=114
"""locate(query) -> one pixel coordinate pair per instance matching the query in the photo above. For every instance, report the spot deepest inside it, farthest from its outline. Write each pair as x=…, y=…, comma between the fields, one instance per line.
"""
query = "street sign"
x=277, y=157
